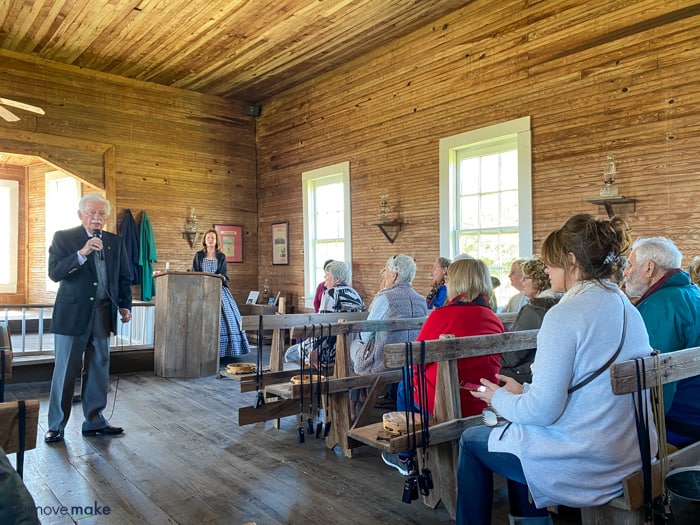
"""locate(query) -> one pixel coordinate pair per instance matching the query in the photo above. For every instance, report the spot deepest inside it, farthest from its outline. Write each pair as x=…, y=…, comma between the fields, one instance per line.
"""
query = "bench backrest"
x=288, y=321
x=449, y=349
x=677, y=365
x=350, y=326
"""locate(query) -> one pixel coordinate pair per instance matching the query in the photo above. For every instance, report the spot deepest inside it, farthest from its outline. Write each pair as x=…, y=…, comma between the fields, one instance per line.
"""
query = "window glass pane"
x=489, y=210
x=469, y=176
x=61, y=201
x=469, y=207
x=469, y=244
x=509, y=170
x=509, y=208
x=329, y=225
x=490, y=173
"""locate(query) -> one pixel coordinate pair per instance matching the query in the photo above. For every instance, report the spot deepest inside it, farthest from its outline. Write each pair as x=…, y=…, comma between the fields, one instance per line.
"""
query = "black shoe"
x=105, y=431
x=53, y=436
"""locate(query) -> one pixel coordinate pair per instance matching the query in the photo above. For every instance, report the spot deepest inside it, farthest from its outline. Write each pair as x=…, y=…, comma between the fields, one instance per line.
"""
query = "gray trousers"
x=88, y=352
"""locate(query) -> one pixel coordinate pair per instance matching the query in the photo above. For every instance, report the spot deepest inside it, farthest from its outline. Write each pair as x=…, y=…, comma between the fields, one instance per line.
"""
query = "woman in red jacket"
x=466, y=313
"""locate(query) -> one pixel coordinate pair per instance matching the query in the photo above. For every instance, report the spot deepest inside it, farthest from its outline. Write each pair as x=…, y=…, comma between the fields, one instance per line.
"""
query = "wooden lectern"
x=188, y=308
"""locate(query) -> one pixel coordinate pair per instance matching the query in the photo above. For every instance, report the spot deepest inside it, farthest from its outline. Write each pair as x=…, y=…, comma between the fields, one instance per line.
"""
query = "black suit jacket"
x=78, y=282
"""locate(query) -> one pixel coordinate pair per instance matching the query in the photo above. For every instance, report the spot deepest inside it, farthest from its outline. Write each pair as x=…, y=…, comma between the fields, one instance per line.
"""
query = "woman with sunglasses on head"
x=540, y=298
x=570, y=440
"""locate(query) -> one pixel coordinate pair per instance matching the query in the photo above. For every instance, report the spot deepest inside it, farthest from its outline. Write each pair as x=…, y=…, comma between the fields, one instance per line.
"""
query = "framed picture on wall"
x=280, y=243
x=231, y=239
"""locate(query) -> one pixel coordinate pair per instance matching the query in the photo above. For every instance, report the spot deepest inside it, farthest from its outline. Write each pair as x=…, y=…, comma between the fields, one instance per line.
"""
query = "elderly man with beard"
x=670, y=306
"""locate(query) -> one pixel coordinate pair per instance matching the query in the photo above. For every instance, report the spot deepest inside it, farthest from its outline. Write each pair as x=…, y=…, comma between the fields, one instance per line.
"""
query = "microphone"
x=98, y=234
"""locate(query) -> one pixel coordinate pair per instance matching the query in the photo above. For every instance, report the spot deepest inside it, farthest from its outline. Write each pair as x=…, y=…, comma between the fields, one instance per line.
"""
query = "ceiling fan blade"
x=22, y=105
x=8, y=115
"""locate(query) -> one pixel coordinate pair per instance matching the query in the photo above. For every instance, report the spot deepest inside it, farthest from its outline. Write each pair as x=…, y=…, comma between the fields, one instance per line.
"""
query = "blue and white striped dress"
x=232, y=340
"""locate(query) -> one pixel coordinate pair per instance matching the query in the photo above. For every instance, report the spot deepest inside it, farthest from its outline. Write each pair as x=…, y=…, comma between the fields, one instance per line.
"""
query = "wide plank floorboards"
x=184, y=460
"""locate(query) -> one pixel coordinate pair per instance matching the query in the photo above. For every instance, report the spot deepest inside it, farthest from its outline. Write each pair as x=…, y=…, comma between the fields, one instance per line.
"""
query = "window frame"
x=449, y=146
x=329, y=174
x=13, y=237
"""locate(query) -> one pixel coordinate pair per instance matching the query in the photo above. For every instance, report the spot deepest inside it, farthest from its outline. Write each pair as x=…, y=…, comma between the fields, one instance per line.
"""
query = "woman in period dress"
x=210, y=258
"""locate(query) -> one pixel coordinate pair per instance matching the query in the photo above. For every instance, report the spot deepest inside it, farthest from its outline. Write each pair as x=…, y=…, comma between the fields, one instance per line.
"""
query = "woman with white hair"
x=338, y=297
x=397, y=301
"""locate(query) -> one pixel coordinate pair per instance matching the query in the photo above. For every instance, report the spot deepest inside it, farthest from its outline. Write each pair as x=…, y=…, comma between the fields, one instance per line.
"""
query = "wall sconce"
x=385, y=224
x=189, y=231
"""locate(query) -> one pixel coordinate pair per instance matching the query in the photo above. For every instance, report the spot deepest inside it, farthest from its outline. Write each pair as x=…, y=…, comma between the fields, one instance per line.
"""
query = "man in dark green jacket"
x=670, y=306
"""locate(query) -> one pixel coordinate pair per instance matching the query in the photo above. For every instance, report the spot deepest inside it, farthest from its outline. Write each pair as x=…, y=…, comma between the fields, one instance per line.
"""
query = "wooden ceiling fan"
x=11, y=117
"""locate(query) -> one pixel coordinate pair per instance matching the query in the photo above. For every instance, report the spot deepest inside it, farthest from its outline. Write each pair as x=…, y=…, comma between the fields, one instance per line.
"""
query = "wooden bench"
x=337, y=388
x=276, y=373
x=18, y=428
x=280, y=323
x=628, y=508
x=18, y=419
x=447, y=424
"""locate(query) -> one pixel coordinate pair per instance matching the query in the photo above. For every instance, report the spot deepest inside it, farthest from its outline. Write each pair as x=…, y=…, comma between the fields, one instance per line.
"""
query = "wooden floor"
x=184, y=460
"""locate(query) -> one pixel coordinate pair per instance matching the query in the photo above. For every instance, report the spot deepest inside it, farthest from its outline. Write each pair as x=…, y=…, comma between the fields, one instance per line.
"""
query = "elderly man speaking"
x=670, y=306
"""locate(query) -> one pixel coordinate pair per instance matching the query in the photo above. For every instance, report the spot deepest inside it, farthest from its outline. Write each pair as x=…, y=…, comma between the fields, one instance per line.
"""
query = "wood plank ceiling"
x=243, y=49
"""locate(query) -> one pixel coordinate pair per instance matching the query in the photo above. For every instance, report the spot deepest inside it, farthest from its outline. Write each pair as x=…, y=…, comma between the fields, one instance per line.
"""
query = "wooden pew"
x=447, y=424
x=18, y=428
x=337, y=408
x=628, y=508
x=279, y=323
x=276, y=373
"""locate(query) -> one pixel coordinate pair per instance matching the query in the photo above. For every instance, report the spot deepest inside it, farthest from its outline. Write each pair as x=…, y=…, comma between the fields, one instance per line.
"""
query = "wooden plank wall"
x=172, y=149
x=597, y=77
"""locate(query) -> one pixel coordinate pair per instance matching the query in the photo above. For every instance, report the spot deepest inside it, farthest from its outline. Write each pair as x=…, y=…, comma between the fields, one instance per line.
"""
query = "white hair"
x=659, y=250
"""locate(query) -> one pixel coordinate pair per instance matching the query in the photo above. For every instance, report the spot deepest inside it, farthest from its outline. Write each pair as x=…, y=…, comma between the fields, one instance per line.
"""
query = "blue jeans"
x=475, y=468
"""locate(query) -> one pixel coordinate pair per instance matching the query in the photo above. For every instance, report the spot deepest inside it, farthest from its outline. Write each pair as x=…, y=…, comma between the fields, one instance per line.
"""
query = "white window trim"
x=448, y=147
x=13, y=231
x=342, y=169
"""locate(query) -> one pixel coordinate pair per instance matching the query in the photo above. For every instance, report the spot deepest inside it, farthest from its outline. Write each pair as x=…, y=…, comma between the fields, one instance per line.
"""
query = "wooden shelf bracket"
x=394, y=226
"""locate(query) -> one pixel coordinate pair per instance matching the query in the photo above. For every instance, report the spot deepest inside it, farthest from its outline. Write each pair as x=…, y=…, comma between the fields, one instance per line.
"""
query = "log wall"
x=166, y=150
x=598, y=77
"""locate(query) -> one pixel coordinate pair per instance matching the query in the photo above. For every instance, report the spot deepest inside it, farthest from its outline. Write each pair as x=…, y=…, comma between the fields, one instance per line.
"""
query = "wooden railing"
x=31, y=336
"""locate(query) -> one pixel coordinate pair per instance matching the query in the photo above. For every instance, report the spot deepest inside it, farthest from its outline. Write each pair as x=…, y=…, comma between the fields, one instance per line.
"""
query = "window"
x=62, y=196
x=486, y=197
x=326, y=222
x=9, y=218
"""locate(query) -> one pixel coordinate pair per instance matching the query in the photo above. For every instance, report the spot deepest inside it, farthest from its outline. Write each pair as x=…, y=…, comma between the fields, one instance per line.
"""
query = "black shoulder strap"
x=609, y=361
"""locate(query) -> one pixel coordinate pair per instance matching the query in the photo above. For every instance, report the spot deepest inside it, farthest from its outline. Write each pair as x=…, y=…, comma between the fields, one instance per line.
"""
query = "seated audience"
x=467, y=313
x=495, y=283
x=540, y=298
x=438, y=293
x=570, y=440
x=397, y=301
x=338, y=297
x=516, y=302
x=670, y=306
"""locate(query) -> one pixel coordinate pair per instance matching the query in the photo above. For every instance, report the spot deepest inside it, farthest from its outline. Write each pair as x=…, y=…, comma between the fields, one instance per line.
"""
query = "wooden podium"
x=188, y=308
